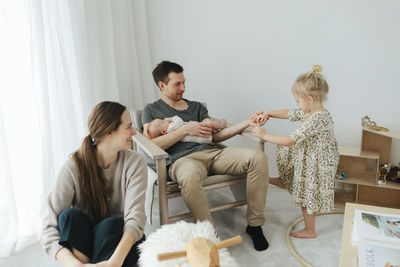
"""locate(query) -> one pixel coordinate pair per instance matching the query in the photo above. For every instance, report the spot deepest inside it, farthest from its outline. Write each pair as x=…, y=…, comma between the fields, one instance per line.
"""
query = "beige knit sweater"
x=127, y=177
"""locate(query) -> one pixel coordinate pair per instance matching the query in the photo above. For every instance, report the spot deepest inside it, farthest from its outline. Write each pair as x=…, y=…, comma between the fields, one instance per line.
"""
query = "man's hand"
x=209, y=123
x=195, y=128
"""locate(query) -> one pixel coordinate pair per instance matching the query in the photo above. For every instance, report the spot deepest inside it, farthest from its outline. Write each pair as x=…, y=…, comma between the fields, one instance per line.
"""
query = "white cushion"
x=174, y=237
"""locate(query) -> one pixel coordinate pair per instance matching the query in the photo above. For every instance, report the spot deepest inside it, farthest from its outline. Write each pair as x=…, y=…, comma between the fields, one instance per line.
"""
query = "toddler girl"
x=307, y=159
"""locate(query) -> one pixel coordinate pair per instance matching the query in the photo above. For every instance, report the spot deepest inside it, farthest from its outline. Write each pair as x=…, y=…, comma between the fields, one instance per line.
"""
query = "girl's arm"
x=235, y=129
x=272, y=138
x=230, y=131
x=278, y=114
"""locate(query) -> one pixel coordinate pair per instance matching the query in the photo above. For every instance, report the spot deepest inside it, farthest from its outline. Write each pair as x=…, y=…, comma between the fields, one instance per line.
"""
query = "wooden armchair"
x=170, y=189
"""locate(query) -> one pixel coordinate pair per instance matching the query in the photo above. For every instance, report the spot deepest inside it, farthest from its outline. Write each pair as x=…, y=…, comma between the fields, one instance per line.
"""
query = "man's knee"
x=190, y=180
x=188, y=174
x=258, y=163
x=257, y=156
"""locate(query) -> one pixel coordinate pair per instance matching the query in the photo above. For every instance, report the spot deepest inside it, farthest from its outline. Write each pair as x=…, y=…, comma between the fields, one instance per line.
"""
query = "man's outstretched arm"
x=193, y=128
x=230, y=131
x=235, y=129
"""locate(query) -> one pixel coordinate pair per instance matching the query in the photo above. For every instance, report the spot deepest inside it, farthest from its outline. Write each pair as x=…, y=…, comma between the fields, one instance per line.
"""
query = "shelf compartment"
x=379, y=195
x=363, y=180
x=358, y=167
x=369, y=181
x=358, y=153
x=341, y=197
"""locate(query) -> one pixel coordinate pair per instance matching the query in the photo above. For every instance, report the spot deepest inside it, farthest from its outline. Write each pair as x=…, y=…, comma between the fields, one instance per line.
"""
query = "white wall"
x=243, y=56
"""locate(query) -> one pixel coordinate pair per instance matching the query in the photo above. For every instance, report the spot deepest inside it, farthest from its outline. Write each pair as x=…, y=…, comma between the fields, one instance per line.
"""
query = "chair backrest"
x=136, y=115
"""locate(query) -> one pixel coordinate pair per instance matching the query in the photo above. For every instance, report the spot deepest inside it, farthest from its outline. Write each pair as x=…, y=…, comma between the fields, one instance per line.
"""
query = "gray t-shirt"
x=161, y=110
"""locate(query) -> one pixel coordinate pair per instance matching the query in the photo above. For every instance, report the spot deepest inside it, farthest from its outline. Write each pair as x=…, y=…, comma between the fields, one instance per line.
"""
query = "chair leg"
x=162, y=191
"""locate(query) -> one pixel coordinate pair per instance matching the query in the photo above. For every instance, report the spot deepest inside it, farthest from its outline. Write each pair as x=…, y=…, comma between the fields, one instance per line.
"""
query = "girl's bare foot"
x=277, y=182
x=304, y=234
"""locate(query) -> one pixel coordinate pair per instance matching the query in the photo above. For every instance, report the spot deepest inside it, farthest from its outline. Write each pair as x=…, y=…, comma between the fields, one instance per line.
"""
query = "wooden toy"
x=201, y=252
x=367, y=122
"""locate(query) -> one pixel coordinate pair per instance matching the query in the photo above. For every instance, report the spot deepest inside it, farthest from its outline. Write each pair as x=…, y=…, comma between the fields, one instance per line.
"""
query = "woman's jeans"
x=96, y=241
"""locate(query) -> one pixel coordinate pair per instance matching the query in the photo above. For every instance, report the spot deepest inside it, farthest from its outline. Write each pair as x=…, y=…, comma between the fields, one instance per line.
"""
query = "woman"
x=96, y=207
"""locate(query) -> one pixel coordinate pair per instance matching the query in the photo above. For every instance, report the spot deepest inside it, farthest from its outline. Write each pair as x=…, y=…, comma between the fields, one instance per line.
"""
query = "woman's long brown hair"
x=94, y=190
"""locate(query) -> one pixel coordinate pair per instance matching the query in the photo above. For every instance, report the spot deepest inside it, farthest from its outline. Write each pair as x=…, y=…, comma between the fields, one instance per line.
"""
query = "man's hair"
x=160, y=73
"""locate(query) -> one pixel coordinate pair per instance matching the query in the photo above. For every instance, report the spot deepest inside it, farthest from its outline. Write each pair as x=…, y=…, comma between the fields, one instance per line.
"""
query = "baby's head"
x=310, y=89
x=157, y=127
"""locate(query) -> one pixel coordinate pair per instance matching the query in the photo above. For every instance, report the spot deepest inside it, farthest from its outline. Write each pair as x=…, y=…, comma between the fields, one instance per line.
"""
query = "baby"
x=159, y=127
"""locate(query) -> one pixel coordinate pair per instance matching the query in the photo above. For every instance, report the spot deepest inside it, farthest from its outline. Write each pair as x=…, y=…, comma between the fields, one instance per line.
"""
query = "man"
x=190, y=163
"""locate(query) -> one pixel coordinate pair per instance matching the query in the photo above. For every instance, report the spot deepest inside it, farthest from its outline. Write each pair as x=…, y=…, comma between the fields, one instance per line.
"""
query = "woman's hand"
x=259, y=132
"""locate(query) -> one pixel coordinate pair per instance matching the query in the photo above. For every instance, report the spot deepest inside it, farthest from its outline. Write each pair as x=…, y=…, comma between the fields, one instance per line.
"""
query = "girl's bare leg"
x=309, y=226
x=277, y=182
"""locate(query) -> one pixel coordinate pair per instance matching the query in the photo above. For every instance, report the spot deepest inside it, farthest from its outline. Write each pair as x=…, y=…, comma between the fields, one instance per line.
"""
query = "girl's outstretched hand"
x=259, y=132
x=254, y=119
x=262, y=118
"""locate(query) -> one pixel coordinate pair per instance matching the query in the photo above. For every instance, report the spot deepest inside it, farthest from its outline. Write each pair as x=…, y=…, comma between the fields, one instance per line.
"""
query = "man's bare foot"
x=277, y=182
x=304, y=234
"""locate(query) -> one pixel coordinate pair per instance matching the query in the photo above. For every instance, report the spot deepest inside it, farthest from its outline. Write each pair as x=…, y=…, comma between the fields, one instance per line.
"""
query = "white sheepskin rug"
x=174, y=237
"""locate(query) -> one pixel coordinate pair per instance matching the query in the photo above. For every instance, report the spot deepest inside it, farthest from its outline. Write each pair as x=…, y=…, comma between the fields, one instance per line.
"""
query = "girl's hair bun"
x=316, y=68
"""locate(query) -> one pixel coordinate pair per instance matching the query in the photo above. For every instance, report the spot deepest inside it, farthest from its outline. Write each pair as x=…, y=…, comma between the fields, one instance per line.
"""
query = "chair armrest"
x=151, y=149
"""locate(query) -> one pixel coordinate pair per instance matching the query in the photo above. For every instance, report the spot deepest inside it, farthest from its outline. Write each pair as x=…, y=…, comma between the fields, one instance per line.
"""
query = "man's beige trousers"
x=190, y=172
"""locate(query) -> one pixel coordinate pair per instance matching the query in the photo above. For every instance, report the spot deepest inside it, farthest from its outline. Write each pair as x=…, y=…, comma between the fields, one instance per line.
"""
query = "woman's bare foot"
x=304, y=234
x=277, y=182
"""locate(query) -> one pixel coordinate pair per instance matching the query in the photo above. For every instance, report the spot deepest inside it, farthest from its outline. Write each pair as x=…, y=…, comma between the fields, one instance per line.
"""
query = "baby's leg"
x=309, y=226
x=277, y=182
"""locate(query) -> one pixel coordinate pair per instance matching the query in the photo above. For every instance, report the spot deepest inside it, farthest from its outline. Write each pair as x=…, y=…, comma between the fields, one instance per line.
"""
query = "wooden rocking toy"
x=201, y=252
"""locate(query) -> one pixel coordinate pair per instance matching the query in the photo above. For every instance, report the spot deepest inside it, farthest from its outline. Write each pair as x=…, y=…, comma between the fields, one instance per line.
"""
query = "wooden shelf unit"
x=361, y=166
